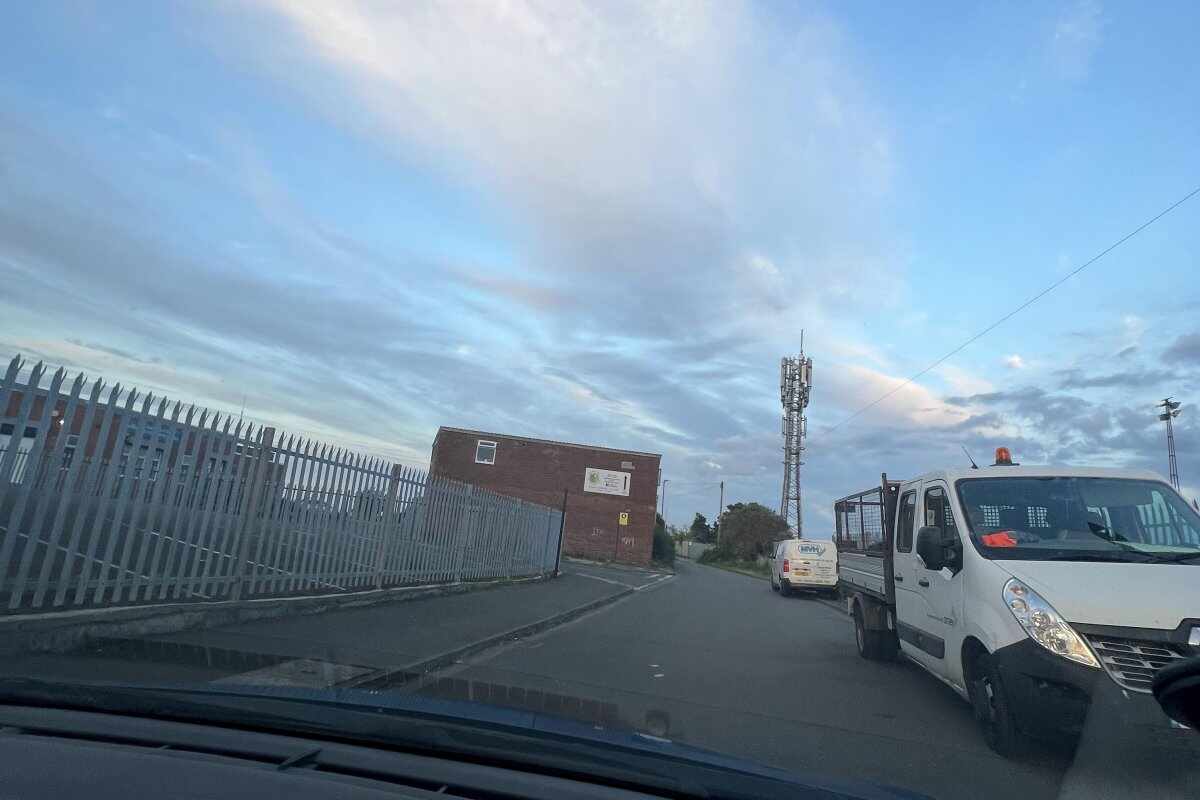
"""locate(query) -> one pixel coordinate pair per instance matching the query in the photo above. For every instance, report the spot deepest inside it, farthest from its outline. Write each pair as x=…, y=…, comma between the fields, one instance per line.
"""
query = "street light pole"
x=663, y=513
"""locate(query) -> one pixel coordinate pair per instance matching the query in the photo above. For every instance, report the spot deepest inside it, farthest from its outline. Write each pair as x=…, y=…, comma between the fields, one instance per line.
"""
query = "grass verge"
x=751, y=568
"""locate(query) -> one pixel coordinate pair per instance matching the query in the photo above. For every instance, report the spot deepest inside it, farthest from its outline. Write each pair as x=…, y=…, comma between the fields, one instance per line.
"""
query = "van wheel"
x=785, y=589
x=989, y=699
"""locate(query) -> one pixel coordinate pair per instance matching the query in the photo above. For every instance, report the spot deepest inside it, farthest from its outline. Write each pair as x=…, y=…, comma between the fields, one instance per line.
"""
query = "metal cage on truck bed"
x=864, y=522
x=860, y=519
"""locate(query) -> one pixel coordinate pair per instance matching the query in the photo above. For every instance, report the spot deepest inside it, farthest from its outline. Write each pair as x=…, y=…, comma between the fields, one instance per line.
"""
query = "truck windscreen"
x=1037, y=518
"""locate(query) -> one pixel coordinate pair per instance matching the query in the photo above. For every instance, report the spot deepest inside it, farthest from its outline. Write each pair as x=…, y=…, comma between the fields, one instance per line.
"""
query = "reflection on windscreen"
x=1061, y=513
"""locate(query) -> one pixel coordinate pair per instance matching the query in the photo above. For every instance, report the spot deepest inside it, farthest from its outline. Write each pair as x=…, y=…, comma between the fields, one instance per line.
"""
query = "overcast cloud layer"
x=606, y=223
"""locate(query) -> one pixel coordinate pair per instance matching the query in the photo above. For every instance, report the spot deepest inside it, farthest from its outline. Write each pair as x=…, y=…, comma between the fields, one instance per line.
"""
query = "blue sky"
x=607, y=222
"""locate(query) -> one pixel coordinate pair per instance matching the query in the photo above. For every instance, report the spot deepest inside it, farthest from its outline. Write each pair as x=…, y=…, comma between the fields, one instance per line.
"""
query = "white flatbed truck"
x=1027, y=590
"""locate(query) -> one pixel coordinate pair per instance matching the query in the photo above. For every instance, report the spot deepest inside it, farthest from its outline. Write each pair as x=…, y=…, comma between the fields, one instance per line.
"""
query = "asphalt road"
x=705, y=657
x=717, y=660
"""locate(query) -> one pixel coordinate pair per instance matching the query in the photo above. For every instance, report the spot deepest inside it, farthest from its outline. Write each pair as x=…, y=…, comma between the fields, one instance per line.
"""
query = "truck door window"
x=905, y=520
x=937, y=511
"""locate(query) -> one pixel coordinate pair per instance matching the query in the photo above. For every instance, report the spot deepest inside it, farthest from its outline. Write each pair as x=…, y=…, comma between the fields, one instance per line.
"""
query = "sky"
x=606, y=223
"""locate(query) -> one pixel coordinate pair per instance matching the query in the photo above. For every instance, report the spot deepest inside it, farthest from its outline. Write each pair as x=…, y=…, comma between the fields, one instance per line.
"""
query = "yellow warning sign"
x=623, y=518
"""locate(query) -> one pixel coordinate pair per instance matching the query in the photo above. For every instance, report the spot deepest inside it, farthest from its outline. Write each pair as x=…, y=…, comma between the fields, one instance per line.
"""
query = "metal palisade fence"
x=110, y=497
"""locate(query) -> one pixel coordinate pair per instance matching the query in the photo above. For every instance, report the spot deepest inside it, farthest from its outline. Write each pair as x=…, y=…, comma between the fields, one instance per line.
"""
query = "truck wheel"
x=872, y=645
x=990, y=702
x=785, y=589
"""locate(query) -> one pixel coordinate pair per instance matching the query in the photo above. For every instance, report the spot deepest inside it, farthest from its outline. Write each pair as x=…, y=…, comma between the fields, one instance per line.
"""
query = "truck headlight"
x=1044, y=625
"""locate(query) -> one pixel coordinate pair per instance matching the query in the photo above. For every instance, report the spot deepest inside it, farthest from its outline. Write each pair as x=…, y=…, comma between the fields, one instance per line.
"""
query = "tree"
x=663, y=547
x=700, y=530
x=749, y=529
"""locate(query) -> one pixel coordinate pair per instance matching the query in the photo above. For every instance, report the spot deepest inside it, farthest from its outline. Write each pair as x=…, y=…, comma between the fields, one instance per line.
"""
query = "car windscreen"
x=1084, y=518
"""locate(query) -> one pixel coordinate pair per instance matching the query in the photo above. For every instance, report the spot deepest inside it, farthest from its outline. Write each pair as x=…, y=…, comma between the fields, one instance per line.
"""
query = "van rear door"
x=816, y=561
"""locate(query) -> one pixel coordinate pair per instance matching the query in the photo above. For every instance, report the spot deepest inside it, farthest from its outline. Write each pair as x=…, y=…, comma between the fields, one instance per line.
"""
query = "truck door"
x=909, y=605
x=937, y=622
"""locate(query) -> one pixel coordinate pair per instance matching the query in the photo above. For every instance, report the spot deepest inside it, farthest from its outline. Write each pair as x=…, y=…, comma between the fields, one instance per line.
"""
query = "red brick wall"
x=540, y=471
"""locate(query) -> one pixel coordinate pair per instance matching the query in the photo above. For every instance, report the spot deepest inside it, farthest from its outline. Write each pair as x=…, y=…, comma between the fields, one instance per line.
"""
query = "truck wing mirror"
x=930, y=547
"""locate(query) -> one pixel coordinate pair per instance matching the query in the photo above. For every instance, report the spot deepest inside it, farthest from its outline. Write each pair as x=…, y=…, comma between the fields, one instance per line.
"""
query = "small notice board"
x=606, y=481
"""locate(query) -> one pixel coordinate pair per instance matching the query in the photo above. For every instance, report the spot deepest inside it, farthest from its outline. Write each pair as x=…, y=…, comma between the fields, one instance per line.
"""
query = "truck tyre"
x=989, y=699
x=872, y=645
x=785, y=588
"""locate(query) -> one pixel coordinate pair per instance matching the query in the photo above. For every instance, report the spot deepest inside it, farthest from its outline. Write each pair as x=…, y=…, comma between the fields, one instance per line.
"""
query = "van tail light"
x=785, y=565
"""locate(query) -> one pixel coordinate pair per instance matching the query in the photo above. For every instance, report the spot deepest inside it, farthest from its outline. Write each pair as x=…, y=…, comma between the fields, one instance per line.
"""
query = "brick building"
x=610, y=495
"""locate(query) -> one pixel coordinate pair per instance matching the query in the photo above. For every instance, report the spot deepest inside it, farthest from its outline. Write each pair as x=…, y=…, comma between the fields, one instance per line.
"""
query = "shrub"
x=717, y=554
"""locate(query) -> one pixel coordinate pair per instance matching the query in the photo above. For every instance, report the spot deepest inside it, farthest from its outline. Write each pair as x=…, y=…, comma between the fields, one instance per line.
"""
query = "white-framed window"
x=485, y=452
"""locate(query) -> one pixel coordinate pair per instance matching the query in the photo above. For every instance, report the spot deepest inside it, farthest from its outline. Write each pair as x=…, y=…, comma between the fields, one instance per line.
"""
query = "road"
x=706, y=657
x=717, y=660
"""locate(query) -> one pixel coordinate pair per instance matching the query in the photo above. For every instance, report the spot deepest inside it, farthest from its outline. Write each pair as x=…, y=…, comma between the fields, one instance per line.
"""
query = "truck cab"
x=1028, y=590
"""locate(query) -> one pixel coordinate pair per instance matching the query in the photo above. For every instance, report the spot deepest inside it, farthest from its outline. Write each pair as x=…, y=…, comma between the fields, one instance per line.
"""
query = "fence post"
x=514, y=528
x=464, y=533
x=562, y=529
x=249, y=527
x=393, y=494
x=549, y=515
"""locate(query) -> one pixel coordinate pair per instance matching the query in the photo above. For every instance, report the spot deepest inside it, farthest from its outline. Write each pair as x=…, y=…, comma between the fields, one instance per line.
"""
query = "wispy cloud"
x=1078, y=35
x=1184, y=350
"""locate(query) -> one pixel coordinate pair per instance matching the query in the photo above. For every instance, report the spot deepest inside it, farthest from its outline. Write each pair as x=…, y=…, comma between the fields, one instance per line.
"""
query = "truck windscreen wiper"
x=1116, y=556
x=1173, y=558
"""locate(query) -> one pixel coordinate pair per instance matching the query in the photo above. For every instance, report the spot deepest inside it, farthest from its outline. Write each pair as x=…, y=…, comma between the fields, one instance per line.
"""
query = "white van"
x=1036, y=593
x=809, y=564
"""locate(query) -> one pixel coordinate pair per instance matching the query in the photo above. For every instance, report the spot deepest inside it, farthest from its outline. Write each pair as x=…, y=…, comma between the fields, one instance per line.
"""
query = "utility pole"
x=1170, y=410
x=795, y=384
x=720, y=511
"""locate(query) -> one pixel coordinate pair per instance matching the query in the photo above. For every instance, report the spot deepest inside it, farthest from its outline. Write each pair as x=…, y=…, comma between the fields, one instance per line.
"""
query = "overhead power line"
x=1018, y=309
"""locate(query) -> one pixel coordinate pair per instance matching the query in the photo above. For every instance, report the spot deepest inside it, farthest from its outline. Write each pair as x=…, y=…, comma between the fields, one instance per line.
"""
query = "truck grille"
x=1133, y=662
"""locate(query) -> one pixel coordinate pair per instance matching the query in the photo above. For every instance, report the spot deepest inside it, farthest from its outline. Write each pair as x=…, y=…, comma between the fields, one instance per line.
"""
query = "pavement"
x=702, y=656
x=350, y=646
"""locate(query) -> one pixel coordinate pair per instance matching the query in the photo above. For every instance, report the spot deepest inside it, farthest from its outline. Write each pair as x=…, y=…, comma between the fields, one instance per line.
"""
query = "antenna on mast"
x=795, y=385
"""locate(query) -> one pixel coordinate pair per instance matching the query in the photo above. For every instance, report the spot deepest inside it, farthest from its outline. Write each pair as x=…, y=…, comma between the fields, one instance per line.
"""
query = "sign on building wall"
x=606, y=481
x=623, y=518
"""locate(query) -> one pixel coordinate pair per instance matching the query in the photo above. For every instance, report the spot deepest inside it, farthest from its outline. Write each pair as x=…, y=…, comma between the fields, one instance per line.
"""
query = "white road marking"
x=636, y=587
x=606, y=580
x=656, y=582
